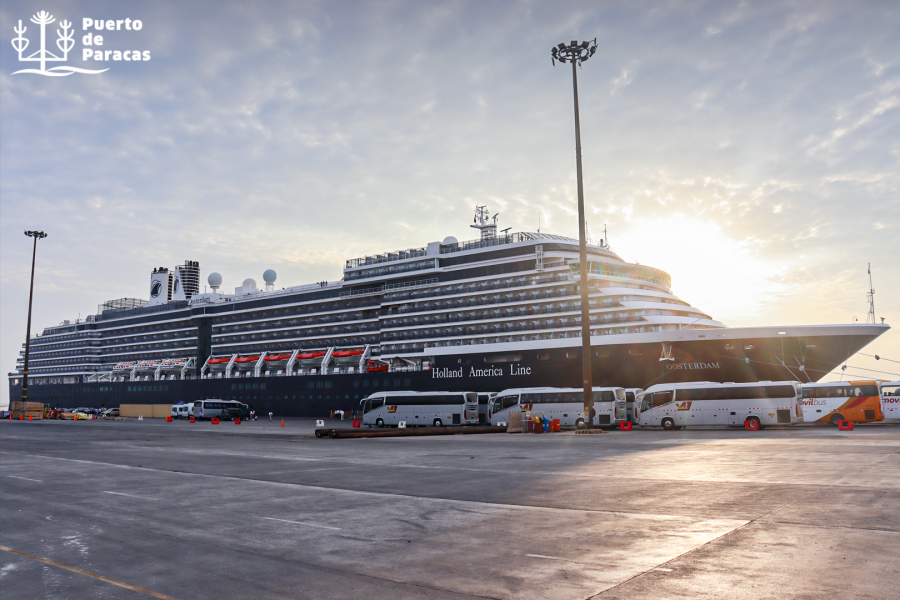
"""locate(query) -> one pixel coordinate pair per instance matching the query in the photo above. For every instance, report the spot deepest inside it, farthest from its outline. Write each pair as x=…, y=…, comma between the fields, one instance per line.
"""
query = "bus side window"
x=660, y=398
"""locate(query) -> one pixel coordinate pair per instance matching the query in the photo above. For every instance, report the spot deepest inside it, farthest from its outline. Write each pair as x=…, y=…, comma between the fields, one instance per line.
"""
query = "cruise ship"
x=499, y=311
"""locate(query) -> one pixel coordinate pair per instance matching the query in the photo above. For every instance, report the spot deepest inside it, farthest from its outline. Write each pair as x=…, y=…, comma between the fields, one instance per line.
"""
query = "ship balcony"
x=478, y=287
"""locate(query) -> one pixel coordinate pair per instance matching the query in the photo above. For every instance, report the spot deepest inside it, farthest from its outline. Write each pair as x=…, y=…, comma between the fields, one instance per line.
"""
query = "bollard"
x=624, y=426
x=356, y=423
x=751, y=425
x=192, y=420
x=845, y=425
x=214, y=420
x=237, y=421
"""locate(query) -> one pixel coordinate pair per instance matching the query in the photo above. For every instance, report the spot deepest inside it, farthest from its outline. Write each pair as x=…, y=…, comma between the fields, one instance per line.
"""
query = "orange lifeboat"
x=347, y=356
x=277, y=360
x=310, y=358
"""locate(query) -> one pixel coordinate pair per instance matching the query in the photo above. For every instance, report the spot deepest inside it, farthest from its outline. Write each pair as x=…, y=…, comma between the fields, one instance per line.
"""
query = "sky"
x=749, y=149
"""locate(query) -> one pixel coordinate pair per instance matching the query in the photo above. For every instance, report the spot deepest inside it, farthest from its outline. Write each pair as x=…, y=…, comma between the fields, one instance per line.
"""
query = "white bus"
x=420, y=409
x=207, y=409
x=890, y=399
x=857, y=401
x=677, y=405
x=565, y=404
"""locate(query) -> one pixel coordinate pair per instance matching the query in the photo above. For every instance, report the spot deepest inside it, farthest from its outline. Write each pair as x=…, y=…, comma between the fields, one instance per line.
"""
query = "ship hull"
x=723, y=355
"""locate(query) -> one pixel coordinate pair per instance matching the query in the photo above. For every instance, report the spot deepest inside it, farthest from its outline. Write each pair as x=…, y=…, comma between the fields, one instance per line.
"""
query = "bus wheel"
x=836, y=418
x=379, y=422
x=668, y=424
x=438, y=423
x=579, y=424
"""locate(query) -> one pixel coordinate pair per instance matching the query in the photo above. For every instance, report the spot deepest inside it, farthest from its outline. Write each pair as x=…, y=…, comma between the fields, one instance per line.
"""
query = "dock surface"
x=138, y=509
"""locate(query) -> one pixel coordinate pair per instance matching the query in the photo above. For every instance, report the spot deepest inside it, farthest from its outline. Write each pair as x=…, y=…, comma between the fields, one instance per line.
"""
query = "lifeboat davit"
x=310, y=358
x=345, y=357
x=123, y=367
x=277, y=360
x=374, y=366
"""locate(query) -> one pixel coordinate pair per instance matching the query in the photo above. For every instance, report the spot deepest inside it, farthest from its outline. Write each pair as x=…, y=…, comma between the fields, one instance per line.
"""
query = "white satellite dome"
x=214, y=280
x=450, y=240
x=249, y=283
x=269, y=276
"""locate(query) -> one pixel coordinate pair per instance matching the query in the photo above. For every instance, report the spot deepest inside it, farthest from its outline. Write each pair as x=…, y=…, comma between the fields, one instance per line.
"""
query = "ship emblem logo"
x=64, y=43
x=155, y=288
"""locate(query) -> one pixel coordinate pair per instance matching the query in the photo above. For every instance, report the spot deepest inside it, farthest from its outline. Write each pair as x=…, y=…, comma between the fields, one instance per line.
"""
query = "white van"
x=181, y=411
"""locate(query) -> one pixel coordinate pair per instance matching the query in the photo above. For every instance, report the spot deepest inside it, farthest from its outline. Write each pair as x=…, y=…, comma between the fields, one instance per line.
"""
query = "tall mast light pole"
x=37, y=235
x=576, y=53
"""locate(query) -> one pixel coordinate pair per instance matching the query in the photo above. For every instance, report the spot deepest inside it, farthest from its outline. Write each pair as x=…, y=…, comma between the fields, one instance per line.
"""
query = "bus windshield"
x=655, y=399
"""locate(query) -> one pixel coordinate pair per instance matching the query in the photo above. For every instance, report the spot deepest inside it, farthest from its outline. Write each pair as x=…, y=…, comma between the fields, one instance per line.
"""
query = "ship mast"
x=870, y=296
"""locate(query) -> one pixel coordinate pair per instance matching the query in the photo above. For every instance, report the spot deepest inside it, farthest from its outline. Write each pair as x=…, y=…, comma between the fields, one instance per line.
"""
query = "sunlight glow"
x=713, y=272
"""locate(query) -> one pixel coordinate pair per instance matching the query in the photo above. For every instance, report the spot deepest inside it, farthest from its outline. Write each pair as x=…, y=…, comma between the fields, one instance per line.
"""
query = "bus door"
x=502, y=406
x=682, y=411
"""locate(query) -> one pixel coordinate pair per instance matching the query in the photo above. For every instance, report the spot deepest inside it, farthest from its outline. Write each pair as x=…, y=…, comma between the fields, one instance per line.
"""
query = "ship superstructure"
x=480, y=314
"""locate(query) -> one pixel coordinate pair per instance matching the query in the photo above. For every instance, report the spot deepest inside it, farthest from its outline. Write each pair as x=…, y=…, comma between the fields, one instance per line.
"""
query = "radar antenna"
x=483, y=222
x=870, y=296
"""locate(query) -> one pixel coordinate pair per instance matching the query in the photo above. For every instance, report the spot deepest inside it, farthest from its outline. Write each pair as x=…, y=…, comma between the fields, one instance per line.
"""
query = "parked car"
x=109, y=413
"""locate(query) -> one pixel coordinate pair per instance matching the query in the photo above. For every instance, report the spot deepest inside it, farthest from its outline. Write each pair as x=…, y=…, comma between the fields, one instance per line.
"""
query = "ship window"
x=572, y=354
x=503, y=358
x=543, y=356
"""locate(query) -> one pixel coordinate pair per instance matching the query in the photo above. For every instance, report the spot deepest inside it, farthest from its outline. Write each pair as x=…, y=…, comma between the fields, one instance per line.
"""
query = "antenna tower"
x=870, y=318
x=483, y=222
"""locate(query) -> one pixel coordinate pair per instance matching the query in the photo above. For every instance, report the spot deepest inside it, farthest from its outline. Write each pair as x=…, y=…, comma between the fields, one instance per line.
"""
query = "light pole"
x=576, y=53
x=36, y=235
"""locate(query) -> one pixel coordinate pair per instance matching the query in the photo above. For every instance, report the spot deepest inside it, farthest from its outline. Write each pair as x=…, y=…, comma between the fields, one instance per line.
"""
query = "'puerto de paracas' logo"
x=94, y=45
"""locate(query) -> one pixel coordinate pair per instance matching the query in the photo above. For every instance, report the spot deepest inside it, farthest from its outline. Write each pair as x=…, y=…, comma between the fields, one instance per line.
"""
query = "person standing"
x=270, y=415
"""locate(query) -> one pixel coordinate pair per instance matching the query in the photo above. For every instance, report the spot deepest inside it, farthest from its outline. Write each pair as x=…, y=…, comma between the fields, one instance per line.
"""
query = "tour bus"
x=207, y=409
x=857, y=401
x=677, y=405
x=565, y=404
x=420, y=409
x=630, y=395
x=890, y=399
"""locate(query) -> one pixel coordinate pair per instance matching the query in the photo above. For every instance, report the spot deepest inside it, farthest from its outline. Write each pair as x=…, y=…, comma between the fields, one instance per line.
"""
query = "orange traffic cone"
x=282, y=422
x=29, y=418
x=22, y=417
